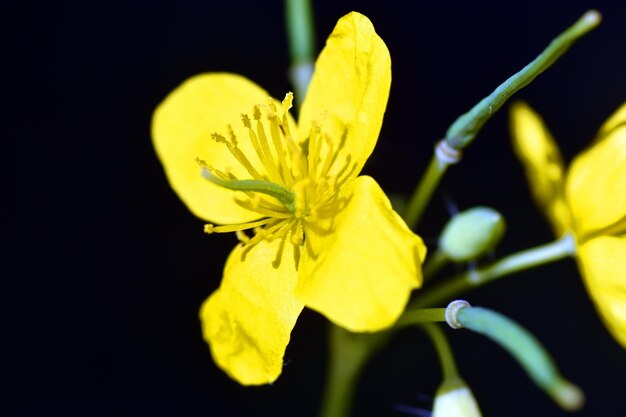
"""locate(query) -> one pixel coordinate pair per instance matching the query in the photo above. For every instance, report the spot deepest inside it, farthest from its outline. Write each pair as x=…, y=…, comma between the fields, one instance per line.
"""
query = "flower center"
x=294, y=185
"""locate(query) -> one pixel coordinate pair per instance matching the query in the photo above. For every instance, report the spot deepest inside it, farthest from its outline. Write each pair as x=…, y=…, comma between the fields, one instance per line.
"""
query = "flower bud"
x=471, y=233
x=455, y=399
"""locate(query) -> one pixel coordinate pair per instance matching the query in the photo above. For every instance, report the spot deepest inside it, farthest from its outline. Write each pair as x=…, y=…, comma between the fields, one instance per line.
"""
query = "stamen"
x=298, y=160
x=317, y=228
x=297, y=234
x=227, y=228
x=234, y=150
x=345, y=174
x=242, y=236
x=300, y=190
x=257, y=207
x=315, y=145
x=277, y=139
x=287, y=104
x=265, y=154
x=268, y=233
x=279, y=253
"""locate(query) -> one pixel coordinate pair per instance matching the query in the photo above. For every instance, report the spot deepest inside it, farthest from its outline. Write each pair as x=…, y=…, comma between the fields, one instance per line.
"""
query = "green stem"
x=467, y=126
x=461, y=133
x=349, y=352
x=421, y=316
x=301, y=39
x=424, y=191
x=526, y=349
x=434, y=263
x=446, y=358
x=516, y=262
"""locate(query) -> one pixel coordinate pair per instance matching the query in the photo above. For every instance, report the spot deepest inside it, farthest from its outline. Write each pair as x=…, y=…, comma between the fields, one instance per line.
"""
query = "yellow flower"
x=324, y=237
x=589, y=201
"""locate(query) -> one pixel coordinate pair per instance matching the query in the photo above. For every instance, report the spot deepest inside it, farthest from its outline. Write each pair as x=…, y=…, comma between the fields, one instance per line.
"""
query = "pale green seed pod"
x=472, y=233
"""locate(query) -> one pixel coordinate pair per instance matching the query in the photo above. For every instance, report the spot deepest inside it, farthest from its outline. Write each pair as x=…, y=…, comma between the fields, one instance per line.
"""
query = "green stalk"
x=463, y=131
x=421, y=316
x=529, y=258
x=446, y=358
x=301, y=39
x=466, y=127
x=527, y=350
x=349, y=352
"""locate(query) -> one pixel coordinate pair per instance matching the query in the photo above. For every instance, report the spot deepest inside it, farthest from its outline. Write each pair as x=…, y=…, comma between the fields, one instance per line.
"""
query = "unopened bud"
x=472, y=233
x=455, y=399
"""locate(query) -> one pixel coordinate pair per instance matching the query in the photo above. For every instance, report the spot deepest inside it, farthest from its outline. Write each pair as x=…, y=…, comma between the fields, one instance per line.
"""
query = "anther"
x=209, y=228
x=231, y=133
x=453, y=310
x=287, y=102
x=246, y=121
x=218, y=138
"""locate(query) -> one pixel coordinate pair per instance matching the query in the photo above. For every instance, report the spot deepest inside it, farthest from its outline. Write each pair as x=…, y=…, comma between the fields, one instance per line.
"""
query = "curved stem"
x=446, y=358
x=464, y=129
x=516, y=262
x=527, y=350
x=425, y=189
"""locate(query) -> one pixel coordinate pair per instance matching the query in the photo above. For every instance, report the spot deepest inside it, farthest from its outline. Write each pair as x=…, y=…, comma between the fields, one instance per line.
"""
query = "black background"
x=104, y=268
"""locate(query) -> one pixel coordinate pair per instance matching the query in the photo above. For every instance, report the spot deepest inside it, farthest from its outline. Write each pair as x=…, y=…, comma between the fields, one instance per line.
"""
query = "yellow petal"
x=603, y=264
x=360, y=274
x=596, y=186
x=248, y=320
x=616, y=119
x=181, y=132
x=349, y=88
x=542, y=162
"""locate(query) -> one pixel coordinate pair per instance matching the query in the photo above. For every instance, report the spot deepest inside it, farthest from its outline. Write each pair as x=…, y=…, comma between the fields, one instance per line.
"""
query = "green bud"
x=471, y=233
x=455, y=399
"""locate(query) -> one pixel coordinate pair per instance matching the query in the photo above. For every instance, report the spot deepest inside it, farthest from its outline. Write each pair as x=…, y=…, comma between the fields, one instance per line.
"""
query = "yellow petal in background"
x=248, y=320
x=603, y=264
x=596, y=186
x=542, y=162
x=350, y=88
x=616, y=119
x=360, y=274
x=182, y=126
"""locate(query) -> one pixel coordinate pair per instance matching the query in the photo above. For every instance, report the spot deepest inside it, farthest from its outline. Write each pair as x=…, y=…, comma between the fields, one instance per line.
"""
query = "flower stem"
x=421, y=316
x=529, y=258
x=424, y=191
x=446, y=358
x=349, y=352
x=301, y=39
x=463, y=131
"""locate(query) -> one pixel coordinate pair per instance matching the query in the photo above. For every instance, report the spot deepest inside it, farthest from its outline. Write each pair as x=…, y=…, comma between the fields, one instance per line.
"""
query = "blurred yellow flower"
x=589, y=200
x=324, y=237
